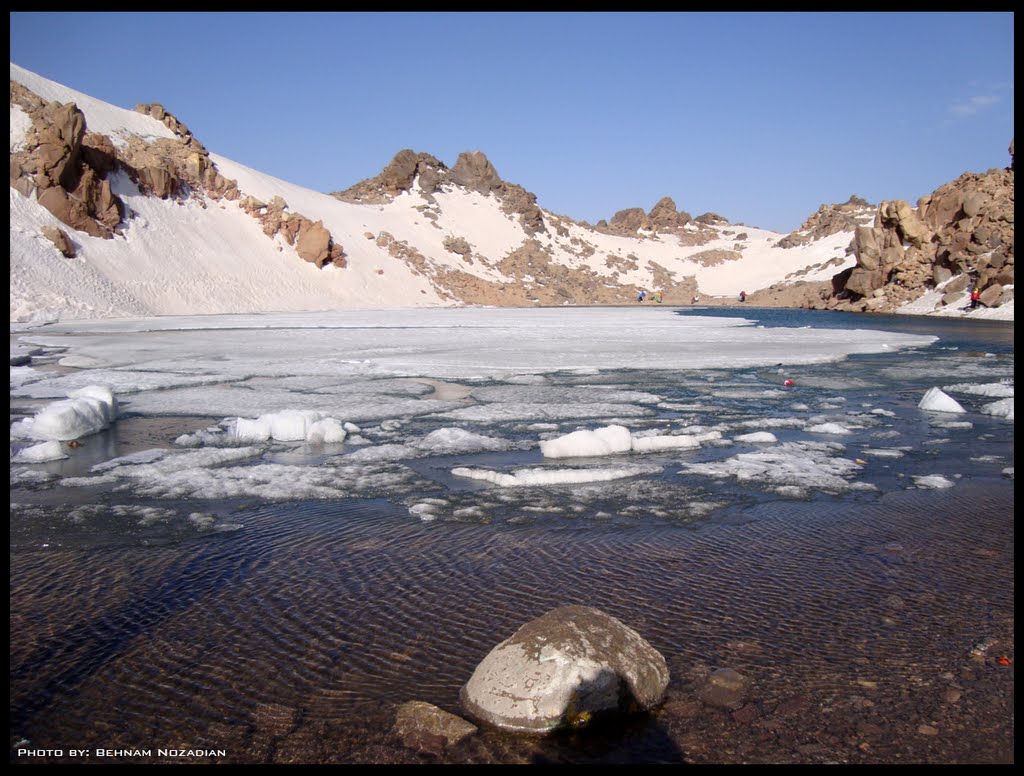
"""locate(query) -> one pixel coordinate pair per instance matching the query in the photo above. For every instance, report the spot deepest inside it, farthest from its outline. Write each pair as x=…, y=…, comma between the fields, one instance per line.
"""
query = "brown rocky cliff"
x=63, y=166
x=67, y=168
x=963, y=228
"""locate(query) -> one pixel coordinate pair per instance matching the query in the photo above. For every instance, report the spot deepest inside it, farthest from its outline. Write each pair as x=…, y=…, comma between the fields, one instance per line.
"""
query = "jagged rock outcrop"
x=475, y=171
x=829, y=220
x=711, y=219
x=60, y=241
x=629, y=222
x=472, y=170
x=963, y=228
x=398, y=177
x=172, y=168
x=67, y=168
x=664, y=216
x=311, y=240
x=63, y=166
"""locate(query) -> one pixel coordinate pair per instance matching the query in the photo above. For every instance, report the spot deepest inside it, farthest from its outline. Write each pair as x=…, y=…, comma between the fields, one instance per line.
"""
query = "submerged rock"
x=421, y=726
x=726, y=689
x=562, y=669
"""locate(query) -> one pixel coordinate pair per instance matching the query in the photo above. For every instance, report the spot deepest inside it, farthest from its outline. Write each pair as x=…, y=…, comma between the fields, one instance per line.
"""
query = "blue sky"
x=758, y=117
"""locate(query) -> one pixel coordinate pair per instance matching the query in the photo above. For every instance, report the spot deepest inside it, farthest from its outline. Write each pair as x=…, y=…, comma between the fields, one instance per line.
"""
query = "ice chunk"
x=285, y=426
x=829, y=428
x=937, y=401
x=1002, y=408
x=528, y=477
x=602, y=441
x=995, y=390
x=327, y=431
x=759, y=438
x=794, y=464
x=89, y=410
x=653, y=444
x=41, y=453
x=932, y=481
x=457, y=440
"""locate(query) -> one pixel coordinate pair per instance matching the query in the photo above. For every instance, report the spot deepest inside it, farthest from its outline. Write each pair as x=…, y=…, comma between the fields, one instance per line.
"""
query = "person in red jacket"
x=975, y=297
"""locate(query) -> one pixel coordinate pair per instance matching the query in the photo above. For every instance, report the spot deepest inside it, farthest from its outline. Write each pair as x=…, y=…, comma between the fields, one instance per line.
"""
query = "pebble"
x=952, y=696
x=927, y=730
x=746, y=714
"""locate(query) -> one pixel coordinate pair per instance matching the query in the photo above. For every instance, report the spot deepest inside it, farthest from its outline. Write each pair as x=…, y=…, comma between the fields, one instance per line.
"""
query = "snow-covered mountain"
x=120, y=213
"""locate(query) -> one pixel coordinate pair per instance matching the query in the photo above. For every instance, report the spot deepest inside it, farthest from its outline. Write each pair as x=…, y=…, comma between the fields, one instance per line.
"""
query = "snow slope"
x=205, y=256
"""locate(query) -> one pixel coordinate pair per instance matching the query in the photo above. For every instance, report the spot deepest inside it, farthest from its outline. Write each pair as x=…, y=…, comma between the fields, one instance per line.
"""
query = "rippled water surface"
x=289, y=631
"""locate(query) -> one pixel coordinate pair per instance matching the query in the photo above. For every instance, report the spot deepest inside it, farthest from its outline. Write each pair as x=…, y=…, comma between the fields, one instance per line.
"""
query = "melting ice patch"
x=445, y=441
x=289, y=426
x=758, y=438
x=202, y=474
x=602, y=441
x=995, y=390
x=792, y=468
x=501, y=413
x=540, y=476
x=1002, y=408
x=611, y=440
x=41, y=453
x=932, y=481
x=829, y=428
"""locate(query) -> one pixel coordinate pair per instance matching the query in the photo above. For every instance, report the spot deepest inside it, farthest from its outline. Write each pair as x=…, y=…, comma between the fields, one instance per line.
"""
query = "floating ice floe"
x=935, y=400
x=87, y=411
x=540, y=476
x=829, y=428
x=289, y=426
x=758, y=438
x=1002, y=408
x=995, y=390
x=191, y=475
x=457, y=440
x=790, y=469
x=602, y=441
x=611, y=440
x=41, y=453
x=307, y=426
x=884, y=452
x=932, y=481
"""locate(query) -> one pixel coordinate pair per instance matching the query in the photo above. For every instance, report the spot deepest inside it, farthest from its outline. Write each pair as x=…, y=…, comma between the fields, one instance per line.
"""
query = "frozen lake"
x=289, y=524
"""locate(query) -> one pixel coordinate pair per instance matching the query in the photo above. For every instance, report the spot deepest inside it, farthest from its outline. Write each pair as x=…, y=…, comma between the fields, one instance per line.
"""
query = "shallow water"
x=288, y=631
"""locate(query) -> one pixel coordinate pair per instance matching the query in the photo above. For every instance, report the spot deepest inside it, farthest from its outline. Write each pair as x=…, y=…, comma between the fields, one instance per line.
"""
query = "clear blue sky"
x=758, y=117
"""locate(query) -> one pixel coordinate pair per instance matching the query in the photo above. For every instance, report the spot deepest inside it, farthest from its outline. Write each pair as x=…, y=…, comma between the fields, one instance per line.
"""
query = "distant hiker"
x=657, y=297
x=641, y=296
x=743, y=296
x=975, y=297
x=695, y=299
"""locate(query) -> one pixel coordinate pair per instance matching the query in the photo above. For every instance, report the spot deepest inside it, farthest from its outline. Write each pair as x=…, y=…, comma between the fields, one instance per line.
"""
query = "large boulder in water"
x=562, y=669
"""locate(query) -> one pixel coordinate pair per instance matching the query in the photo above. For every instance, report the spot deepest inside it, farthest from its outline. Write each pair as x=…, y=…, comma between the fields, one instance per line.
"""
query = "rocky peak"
x=665, y=216
x=397, y=177
x=829, y=220
x=630, y=222
x=475, y=171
